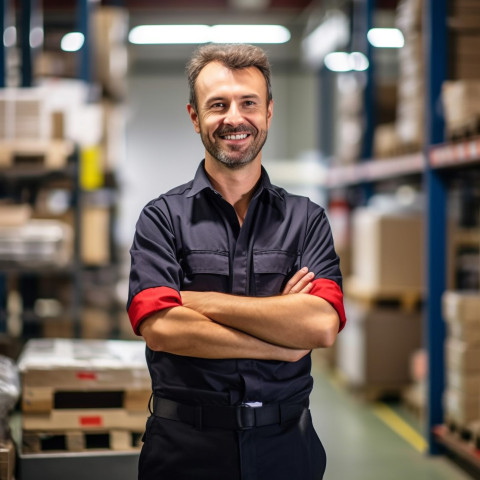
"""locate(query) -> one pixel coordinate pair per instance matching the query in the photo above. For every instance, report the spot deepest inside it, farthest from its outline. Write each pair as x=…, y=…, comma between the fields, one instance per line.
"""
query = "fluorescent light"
x=36, y=37
x=10, y=36
x=386, y=37
x=72, y=42
x=169, y=34
x=249, y=34
x=346, y=62
x=358, y=61
x=187, y=34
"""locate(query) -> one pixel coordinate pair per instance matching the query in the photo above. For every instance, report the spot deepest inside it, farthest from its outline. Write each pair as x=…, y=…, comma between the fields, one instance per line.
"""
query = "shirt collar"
x=201, y=182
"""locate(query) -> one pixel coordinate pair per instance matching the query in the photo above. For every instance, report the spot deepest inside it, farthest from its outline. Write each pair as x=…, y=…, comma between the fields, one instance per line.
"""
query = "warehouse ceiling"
x=299, y=16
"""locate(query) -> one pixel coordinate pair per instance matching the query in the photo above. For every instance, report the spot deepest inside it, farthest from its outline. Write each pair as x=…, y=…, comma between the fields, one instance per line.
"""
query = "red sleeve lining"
x=149, y=301
x=332, y=293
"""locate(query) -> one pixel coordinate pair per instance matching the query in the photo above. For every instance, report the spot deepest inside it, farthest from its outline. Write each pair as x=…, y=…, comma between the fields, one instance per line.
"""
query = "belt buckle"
x=245, y=416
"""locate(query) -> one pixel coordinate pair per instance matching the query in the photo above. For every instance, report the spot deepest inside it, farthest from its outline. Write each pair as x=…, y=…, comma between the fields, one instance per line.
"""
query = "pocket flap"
x=277, y=261
x=207, y=262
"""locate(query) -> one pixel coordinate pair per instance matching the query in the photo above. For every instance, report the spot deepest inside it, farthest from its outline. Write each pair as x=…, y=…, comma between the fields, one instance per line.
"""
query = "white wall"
x=164, y=151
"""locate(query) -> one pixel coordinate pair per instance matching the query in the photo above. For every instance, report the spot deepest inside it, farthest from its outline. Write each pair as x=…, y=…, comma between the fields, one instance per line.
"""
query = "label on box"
x=91, y=421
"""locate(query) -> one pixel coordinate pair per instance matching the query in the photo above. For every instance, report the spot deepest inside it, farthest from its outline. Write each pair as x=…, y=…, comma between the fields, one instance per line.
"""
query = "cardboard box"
x=95, y=241
x=387, y=250
x=409, y=15
x=110, y=31
x=461, y=102
x=460, y=356
x=460, y=311
x=84, y=364
x=376, y=348
x=7, y=460
x=84, y=384
x=24, y=114
x=38, y=242
x=464, y=381
x=459, y=407
x=12, y=215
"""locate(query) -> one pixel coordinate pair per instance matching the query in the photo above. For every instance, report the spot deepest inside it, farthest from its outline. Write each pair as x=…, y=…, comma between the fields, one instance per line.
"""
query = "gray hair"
x=234, y=57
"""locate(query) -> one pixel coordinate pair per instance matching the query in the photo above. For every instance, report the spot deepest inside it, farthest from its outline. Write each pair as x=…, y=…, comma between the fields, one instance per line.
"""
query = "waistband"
x=238, y=417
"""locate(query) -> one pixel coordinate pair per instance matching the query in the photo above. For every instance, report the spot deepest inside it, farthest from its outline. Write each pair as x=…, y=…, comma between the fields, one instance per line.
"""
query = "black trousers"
x=174, y=450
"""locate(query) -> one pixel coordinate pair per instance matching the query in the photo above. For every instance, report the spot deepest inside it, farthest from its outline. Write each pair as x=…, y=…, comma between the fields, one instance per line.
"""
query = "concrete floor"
x=361, y=445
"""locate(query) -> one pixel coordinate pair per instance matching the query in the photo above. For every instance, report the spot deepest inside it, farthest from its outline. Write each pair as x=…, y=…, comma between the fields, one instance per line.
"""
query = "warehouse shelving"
x=375, y=170
x=32, y=177
x=434, y=166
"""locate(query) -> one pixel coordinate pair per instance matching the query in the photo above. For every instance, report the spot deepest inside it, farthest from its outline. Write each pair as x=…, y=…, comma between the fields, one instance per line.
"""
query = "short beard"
x=232, y=161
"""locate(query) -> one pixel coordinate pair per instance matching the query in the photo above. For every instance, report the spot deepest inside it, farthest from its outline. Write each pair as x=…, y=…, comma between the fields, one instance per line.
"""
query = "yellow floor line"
x=398, y=425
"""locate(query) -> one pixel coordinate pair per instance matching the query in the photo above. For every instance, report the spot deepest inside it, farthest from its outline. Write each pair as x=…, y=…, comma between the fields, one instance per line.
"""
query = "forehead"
x=215, y=79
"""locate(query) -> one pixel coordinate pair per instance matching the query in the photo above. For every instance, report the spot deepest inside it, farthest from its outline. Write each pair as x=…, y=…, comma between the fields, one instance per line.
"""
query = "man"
x=233, y=282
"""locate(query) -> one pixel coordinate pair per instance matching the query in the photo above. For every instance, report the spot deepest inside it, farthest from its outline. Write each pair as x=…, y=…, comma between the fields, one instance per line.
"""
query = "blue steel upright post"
x=436, y=225
x=30, y=22
x=84, y=8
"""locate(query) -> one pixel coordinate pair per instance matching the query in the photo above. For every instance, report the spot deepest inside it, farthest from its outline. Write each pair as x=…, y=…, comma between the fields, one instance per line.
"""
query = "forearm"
x=182, y=331
x=295, y=321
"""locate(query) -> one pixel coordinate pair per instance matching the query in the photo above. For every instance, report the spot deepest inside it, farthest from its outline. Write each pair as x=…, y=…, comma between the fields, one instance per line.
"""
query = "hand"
x=301, y=282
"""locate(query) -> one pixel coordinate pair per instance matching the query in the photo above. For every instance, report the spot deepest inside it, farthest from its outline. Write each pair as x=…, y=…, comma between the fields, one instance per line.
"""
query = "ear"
x=269, y=113
x=193, y=117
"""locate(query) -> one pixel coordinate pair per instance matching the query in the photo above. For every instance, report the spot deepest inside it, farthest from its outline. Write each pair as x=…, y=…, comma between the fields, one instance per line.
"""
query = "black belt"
x=240, y=417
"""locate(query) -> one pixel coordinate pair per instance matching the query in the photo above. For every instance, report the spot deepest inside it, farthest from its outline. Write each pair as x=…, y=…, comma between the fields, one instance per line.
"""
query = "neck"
x=235, y=186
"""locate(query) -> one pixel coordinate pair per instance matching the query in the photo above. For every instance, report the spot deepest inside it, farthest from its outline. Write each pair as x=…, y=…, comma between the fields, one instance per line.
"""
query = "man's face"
x=233, y=114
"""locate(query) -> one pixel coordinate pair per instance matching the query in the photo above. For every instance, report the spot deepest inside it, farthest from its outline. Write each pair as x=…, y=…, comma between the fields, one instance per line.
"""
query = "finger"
x=302, y=283
x=307, y=288
x=294, y=280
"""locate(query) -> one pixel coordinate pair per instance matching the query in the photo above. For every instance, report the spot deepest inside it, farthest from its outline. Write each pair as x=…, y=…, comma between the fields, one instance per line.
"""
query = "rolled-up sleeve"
x=320, y=257
x=155, y=273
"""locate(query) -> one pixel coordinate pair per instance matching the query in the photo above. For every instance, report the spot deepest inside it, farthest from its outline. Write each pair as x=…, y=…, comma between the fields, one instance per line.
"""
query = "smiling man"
x=233, y=282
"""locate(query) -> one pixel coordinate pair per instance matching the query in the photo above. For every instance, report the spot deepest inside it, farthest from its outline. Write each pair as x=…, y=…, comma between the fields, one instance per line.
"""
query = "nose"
x=233, y=115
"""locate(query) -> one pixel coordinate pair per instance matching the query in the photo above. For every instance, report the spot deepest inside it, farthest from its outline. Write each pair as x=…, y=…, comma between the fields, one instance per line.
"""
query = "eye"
x=217, y=106
x=249, y=103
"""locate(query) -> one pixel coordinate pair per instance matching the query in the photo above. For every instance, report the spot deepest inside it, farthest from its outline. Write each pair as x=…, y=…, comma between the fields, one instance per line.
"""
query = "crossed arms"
x=217, y=325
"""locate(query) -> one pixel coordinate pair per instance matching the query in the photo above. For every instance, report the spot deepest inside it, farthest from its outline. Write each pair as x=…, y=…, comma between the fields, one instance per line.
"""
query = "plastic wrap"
x=9, y=392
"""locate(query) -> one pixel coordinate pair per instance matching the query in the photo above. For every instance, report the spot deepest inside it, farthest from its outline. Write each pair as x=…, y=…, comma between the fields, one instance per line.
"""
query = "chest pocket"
x=205, y=271
x=272, y=269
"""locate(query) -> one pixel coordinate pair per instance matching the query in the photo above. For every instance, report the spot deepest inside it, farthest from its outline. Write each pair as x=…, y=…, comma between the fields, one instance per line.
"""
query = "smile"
x=236, y=137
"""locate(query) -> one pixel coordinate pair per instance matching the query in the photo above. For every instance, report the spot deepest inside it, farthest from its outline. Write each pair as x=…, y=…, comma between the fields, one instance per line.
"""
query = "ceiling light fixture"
x=72, y=42
x=346, y=62
x=194, y=34
x=386, y=37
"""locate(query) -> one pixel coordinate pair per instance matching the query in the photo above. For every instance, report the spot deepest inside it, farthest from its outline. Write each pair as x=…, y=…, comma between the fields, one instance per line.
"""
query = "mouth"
x=237, y=136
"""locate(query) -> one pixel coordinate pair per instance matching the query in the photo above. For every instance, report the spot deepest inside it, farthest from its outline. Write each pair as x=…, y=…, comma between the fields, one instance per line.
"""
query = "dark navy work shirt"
x=190, y=239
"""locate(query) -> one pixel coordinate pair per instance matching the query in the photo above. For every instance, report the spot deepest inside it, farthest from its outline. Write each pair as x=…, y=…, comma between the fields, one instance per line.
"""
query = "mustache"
x=236, y=130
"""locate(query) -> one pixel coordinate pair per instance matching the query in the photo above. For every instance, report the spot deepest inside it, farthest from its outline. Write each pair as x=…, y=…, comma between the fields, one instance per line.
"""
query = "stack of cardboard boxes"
x=462, y=358
x=382, y=301
x=461, y=94
x=410, y=118
x=83, y=395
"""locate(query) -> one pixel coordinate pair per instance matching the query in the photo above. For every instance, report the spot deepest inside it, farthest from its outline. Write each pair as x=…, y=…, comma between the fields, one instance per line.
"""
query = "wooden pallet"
x=84, y=419
x=468, y=128
x=46, y=399
x=48, y=154
x=468, y=433
x=400, y=149
x=371, y=393
x=81, y=441
x=7, y=460
x=406, y=299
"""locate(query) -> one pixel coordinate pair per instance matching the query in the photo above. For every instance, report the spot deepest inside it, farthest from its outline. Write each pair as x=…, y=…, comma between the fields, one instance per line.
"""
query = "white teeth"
x=236, y=137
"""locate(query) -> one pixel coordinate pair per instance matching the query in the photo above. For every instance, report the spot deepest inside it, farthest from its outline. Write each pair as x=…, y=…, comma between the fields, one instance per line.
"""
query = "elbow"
x=326, y=334
x=151, y=333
